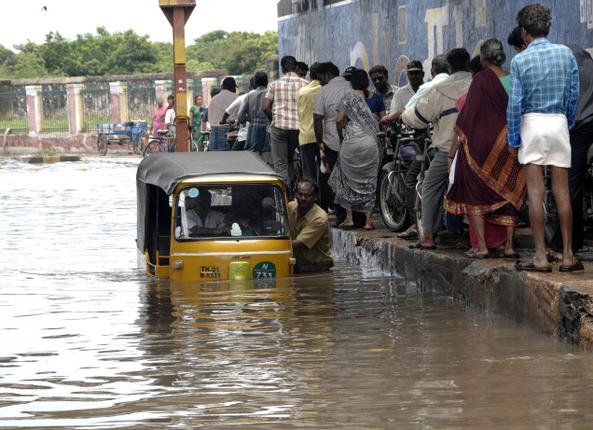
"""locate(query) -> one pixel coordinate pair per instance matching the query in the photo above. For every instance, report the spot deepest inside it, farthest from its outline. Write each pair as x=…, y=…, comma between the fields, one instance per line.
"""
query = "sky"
x=26, y=20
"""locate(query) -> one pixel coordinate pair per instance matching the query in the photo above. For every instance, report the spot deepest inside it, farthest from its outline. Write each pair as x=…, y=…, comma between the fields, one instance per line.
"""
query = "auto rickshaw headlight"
x=178, y=265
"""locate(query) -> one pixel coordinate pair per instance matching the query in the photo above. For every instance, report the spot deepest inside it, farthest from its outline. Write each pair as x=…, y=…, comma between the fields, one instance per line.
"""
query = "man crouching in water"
x=309, y=230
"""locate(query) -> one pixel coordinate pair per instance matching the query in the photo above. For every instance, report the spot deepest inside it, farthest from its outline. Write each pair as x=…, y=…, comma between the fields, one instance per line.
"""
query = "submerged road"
x=89, y=341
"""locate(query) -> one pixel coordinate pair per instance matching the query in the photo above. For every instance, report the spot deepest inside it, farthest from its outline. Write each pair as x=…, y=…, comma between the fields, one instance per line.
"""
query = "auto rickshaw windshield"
x=230, y=211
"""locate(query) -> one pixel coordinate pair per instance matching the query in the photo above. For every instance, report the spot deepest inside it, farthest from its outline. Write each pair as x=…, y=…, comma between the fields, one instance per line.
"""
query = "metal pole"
x=178, y=12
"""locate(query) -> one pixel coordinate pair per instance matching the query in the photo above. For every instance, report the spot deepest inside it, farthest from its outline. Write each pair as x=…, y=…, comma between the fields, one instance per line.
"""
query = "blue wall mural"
x=392, y=32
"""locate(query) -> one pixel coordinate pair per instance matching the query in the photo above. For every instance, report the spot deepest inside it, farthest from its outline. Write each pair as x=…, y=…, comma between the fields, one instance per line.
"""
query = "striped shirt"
x=544, y=79
x=327, y=101
x=283, y=93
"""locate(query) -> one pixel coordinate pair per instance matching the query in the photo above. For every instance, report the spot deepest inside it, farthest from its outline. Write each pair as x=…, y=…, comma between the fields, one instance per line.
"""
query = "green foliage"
x=126, y=52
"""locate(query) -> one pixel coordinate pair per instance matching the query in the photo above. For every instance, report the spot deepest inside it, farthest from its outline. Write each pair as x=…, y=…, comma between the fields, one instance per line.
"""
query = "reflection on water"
x=88, y=341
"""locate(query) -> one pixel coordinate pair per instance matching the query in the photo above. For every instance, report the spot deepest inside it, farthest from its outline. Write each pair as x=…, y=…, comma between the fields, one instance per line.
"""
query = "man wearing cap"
x=380, y=78
x=216, y=110
x=415, y=73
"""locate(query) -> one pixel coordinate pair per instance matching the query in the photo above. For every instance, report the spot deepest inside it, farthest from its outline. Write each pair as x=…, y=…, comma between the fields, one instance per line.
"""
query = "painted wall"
x=391, y=32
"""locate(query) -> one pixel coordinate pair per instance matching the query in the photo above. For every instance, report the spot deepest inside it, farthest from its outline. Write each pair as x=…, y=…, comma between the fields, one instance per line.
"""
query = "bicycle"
x=162, y=142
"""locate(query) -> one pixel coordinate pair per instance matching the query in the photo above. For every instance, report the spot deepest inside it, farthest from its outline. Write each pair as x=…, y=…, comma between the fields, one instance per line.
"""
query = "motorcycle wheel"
x=392, y=201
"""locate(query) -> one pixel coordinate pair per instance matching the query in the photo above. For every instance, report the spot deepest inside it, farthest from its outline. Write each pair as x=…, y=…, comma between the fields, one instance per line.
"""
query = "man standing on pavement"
x=437, y=106
x=309, y=230
x=415, y=73
x=280, y=106
x=543, y=98
x=252, y=111
x=380, y=78
x=325, y=112
x=216, y=110
x=307, y=141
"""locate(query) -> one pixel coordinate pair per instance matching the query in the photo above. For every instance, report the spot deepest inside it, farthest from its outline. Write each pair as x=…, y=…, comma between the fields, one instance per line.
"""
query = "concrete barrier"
x=557, y=304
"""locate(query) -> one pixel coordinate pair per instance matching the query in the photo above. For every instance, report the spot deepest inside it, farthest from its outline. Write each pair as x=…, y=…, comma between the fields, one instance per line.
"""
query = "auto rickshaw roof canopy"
x=166, y=170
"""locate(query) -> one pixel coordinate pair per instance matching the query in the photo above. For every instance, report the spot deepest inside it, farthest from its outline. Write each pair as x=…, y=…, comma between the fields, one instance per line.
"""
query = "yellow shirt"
x=305, y=103
x=313, y=231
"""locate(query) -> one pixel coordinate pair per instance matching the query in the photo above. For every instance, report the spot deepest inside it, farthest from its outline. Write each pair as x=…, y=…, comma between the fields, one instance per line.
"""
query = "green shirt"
x=196, y=116
x=313, y=231
x=506, y=82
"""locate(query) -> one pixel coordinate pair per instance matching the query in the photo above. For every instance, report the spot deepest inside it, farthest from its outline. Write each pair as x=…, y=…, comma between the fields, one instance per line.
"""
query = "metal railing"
x=13, y=111
x=141, y=103
x=96, y=108
x=55, y=109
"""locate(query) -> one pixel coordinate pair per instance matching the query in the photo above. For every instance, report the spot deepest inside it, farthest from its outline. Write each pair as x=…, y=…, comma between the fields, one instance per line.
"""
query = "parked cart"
x=121, y=133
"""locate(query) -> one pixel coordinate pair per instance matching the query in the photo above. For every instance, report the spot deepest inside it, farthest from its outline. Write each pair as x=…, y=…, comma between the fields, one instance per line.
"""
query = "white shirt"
x=170, y=116
x=233, y=111
x=424, y=89
x=400, y=98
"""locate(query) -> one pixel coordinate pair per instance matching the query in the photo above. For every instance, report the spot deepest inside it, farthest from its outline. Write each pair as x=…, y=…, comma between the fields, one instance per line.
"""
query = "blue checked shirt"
x=544, y=79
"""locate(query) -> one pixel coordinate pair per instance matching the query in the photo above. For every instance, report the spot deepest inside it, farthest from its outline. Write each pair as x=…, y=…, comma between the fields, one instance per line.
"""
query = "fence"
x=141, y=102
x=96, y=107
x=13, y=110
x=54, y=118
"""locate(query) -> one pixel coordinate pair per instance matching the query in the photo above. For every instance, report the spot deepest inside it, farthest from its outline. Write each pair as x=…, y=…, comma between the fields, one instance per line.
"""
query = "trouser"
x=580, y=142
x=410, y=181
x=433, y=192
x=238, y=146
x=283, y=143
x=310, y=161
x=257, y=138
x=219, y=138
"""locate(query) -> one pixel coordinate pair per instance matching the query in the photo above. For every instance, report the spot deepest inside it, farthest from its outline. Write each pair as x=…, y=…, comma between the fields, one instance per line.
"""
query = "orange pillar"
x=178, y=12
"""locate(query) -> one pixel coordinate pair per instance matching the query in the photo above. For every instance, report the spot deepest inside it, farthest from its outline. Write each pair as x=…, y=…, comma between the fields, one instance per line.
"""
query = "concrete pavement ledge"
x=557, y=304
x=49, y=158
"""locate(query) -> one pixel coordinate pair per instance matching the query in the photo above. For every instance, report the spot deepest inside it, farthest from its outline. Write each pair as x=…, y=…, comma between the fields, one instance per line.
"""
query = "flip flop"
x=346, y=226
x=408, y=235
x=576, y=267
x=475, y=254
x=528, y=266
x=369, y=227
x=418, y=245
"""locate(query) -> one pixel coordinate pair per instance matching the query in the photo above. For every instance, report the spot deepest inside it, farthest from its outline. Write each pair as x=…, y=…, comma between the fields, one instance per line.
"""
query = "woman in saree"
x=489, y=182
x=354, y=179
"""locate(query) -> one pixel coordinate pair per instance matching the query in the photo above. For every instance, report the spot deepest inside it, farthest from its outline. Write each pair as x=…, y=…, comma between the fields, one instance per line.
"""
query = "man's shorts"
x=545, y=140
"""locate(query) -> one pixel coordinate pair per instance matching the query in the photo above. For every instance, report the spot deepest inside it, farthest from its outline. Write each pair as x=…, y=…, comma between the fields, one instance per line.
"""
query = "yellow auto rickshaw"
x=212, y=216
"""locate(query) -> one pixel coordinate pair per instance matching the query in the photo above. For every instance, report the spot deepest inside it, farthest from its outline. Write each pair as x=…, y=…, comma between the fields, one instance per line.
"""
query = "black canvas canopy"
x=168, y=169
x=158, y=174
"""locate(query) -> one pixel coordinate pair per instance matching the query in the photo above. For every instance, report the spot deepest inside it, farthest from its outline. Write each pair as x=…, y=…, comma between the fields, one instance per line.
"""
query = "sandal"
x=408, y=235
x=418, y=245
x=474, y=253
x=576, y=267
x=345, y=226
x=528, y=266
x=369, y=227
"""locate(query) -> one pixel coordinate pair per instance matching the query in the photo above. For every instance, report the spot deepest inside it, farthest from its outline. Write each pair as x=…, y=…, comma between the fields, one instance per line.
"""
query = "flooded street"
x=88, y=341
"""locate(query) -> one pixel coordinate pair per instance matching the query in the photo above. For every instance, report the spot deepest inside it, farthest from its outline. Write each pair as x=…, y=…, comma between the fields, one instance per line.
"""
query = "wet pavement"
x=89, y=341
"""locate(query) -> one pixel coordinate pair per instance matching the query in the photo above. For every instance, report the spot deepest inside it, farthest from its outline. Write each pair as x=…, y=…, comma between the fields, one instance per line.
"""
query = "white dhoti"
x=545, y=140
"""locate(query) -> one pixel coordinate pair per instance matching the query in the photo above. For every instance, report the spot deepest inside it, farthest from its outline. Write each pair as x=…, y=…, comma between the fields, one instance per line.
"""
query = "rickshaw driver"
x=309, y=230
x=201, y=219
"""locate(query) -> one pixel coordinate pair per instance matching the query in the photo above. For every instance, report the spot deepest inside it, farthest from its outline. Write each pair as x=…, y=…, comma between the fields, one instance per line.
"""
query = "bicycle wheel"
x=153, y=145
x=102, y=144
x=392, y=200
x=137, y=144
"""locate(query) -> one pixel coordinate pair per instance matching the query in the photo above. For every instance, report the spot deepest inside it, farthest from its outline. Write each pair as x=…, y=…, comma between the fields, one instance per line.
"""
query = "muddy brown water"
x=89, y=342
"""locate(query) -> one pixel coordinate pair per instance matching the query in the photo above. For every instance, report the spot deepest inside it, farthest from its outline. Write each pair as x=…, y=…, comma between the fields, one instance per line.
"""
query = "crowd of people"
x=493, y=132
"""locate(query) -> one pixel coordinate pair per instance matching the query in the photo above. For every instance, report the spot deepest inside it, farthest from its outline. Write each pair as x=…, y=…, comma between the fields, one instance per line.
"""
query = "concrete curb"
x=557, y=304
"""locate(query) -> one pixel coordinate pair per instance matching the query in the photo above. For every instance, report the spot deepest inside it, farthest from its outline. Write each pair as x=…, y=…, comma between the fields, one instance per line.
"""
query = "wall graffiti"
x=391, y=32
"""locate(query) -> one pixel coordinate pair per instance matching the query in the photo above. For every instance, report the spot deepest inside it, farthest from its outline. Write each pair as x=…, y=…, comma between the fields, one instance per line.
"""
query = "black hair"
x=415, y=64
x=458, y=59
x=309, y=181
x=214, y=91
x=252, y=84
x=196, y=97
x=261, y=79
x=440, y=64
x=379, y=68
x=492, y=51
x=515, y=39
x=314, y=71
x=300, y=65
x=328, y=69
x=360, y=81
x=170, y=97
x=229, y=84
x=535, y=19
x=475, y=65
x=288, y=64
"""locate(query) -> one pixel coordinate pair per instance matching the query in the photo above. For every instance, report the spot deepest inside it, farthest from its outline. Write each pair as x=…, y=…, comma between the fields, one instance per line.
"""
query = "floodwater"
x=88, y=341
